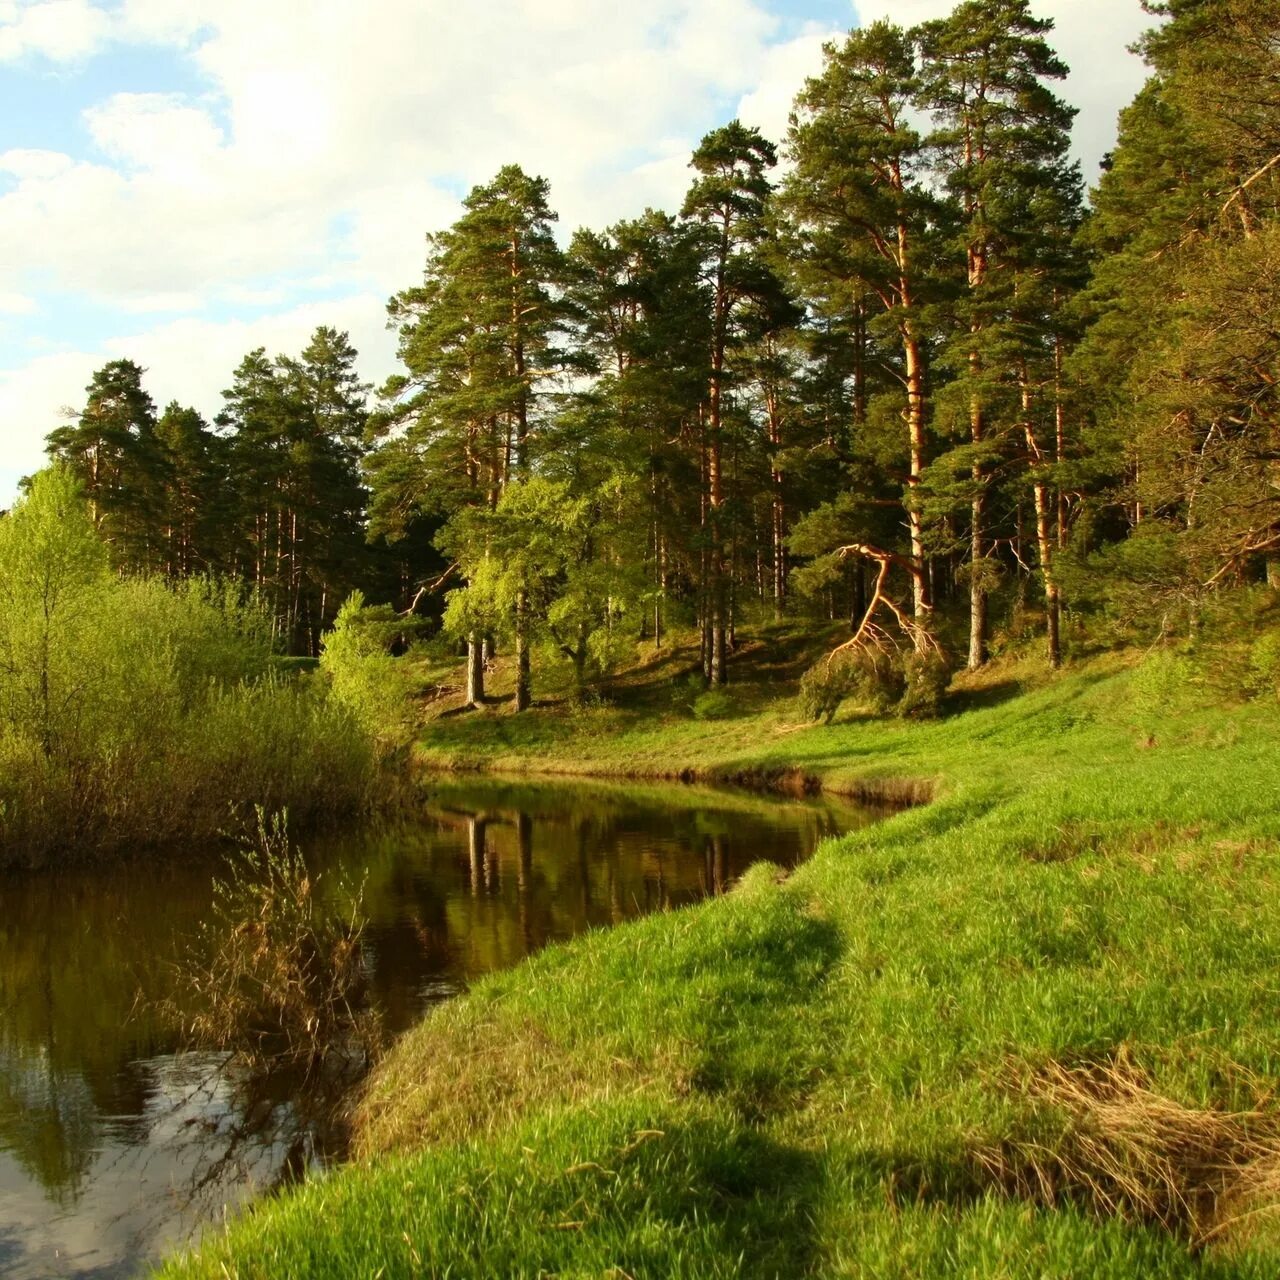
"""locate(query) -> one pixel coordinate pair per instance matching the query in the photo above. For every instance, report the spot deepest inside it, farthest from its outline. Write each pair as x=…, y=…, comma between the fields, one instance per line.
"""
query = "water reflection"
x=112, y=1146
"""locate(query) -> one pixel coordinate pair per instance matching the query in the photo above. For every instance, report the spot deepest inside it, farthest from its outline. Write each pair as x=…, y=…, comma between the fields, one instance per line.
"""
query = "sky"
x=182, y=181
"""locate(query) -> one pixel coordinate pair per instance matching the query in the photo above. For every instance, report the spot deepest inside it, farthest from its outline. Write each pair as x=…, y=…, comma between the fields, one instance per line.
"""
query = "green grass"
x=811, y=1077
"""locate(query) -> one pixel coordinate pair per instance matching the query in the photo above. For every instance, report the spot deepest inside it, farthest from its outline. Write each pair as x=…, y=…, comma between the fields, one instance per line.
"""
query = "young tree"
x=52, y=566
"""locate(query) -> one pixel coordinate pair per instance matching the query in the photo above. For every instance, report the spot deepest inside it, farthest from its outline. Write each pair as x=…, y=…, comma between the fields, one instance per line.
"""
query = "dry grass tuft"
x=1124, y=1150
x=459, y=1077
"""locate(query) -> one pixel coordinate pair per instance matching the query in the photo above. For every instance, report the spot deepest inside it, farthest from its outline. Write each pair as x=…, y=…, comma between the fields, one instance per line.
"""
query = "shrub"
x=874, y=679
x=1165, y=681
x=713, y=704
x=927, y=676
x=365, y=679
x=823, y=688
x=135, y=712
x=1264, y=664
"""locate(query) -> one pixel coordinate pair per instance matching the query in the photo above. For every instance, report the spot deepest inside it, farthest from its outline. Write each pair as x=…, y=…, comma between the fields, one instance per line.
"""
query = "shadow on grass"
x=991, y=695
x=626, y=1189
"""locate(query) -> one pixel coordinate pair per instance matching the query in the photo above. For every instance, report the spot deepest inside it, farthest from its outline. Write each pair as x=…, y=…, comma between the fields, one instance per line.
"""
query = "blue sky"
x=184, y=180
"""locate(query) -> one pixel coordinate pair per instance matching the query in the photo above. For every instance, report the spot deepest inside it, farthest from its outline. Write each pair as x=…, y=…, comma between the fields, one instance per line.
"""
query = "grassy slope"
x=816, y=1076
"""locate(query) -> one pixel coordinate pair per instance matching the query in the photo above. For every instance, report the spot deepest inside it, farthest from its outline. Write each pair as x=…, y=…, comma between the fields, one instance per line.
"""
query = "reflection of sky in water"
x=112, y=1149
x=133, y=1191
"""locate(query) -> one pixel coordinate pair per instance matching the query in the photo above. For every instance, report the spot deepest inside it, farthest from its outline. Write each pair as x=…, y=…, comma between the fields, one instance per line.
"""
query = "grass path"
x=1028, y=1030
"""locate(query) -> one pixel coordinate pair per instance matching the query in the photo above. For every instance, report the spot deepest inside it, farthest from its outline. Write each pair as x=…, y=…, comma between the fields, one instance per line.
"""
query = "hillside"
x=1022, y=1030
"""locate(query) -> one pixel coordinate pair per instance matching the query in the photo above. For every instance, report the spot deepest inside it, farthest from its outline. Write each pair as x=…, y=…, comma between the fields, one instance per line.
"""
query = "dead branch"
x=870, y=636
x=430, y=586
x=413, y=604
x=1255, y=543
x=1248, y=182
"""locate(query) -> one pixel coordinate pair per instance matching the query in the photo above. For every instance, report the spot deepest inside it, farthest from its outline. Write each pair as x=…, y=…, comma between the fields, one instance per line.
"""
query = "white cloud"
x=31, y=402
x=150, y=303
x=37, y=166
x=165, y=351
x=161, y=21
x=339, y=113
x=158, y=133
x=787, y=66
x=60, y=30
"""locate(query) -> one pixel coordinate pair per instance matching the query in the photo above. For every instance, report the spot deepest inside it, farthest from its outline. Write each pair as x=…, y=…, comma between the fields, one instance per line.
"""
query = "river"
x=115, y=1145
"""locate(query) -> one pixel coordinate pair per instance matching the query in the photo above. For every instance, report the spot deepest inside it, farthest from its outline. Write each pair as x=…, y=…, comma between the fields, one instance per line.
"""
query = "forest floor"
x=1028, y=1029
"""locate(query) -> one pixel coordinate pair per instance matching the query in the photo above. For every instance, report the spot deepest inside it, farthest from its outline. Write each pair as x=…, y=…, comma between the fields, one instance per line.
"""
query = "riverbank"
x=1026, y=1030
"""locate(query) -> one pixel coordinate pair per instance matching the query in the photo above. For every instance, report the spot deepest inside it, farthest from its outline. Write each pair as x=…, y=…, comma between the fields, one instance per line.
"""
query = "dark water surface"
x=114, y=1146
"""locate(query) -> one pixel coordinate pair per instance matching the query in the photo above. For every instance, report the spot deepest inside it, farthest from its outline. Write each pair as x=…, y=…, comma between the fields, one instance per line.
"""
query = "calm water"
x=113, y=1146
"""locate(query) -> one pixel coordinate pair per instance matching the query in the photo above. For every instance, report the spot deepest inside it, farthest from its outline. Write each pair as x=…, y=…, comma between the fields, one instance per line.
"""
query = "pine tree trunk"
x=524, y=697
x=921, y=599
x=977, y=593
x=716, y=673
x=662, y=593
x=1052, y=607
x=977, y=529
x=1044, y=511
x=475, y=670
x=1059, y=432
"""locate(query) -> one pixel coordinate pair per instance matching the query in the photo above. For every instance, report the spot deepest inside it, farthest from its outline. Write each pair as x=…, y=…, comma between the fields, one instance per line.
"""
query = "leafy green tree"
x=562, y=552
x=53, y=567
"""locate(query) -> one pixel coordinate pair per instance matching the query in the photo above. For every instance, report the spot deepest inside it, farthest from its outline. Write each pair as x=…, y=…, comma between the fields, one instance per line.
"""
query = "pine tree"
x=862, y=222
x=1000, y=136
x=195, y=492
x=727, y=202
x=113, y=451
x=478, y=341
x=1185, y=237
x=643, y=329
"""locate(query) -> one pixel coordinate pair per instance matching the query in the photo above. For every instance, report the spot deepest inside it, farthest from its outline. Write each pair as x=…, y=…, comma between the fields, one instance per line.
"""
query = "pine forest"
x=897, y=367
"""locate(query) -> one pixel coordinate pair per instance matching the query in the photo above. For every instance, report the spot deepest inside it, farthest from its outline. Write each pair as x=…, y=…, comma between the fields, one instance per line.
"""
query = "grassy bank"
x=1027, y=1030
